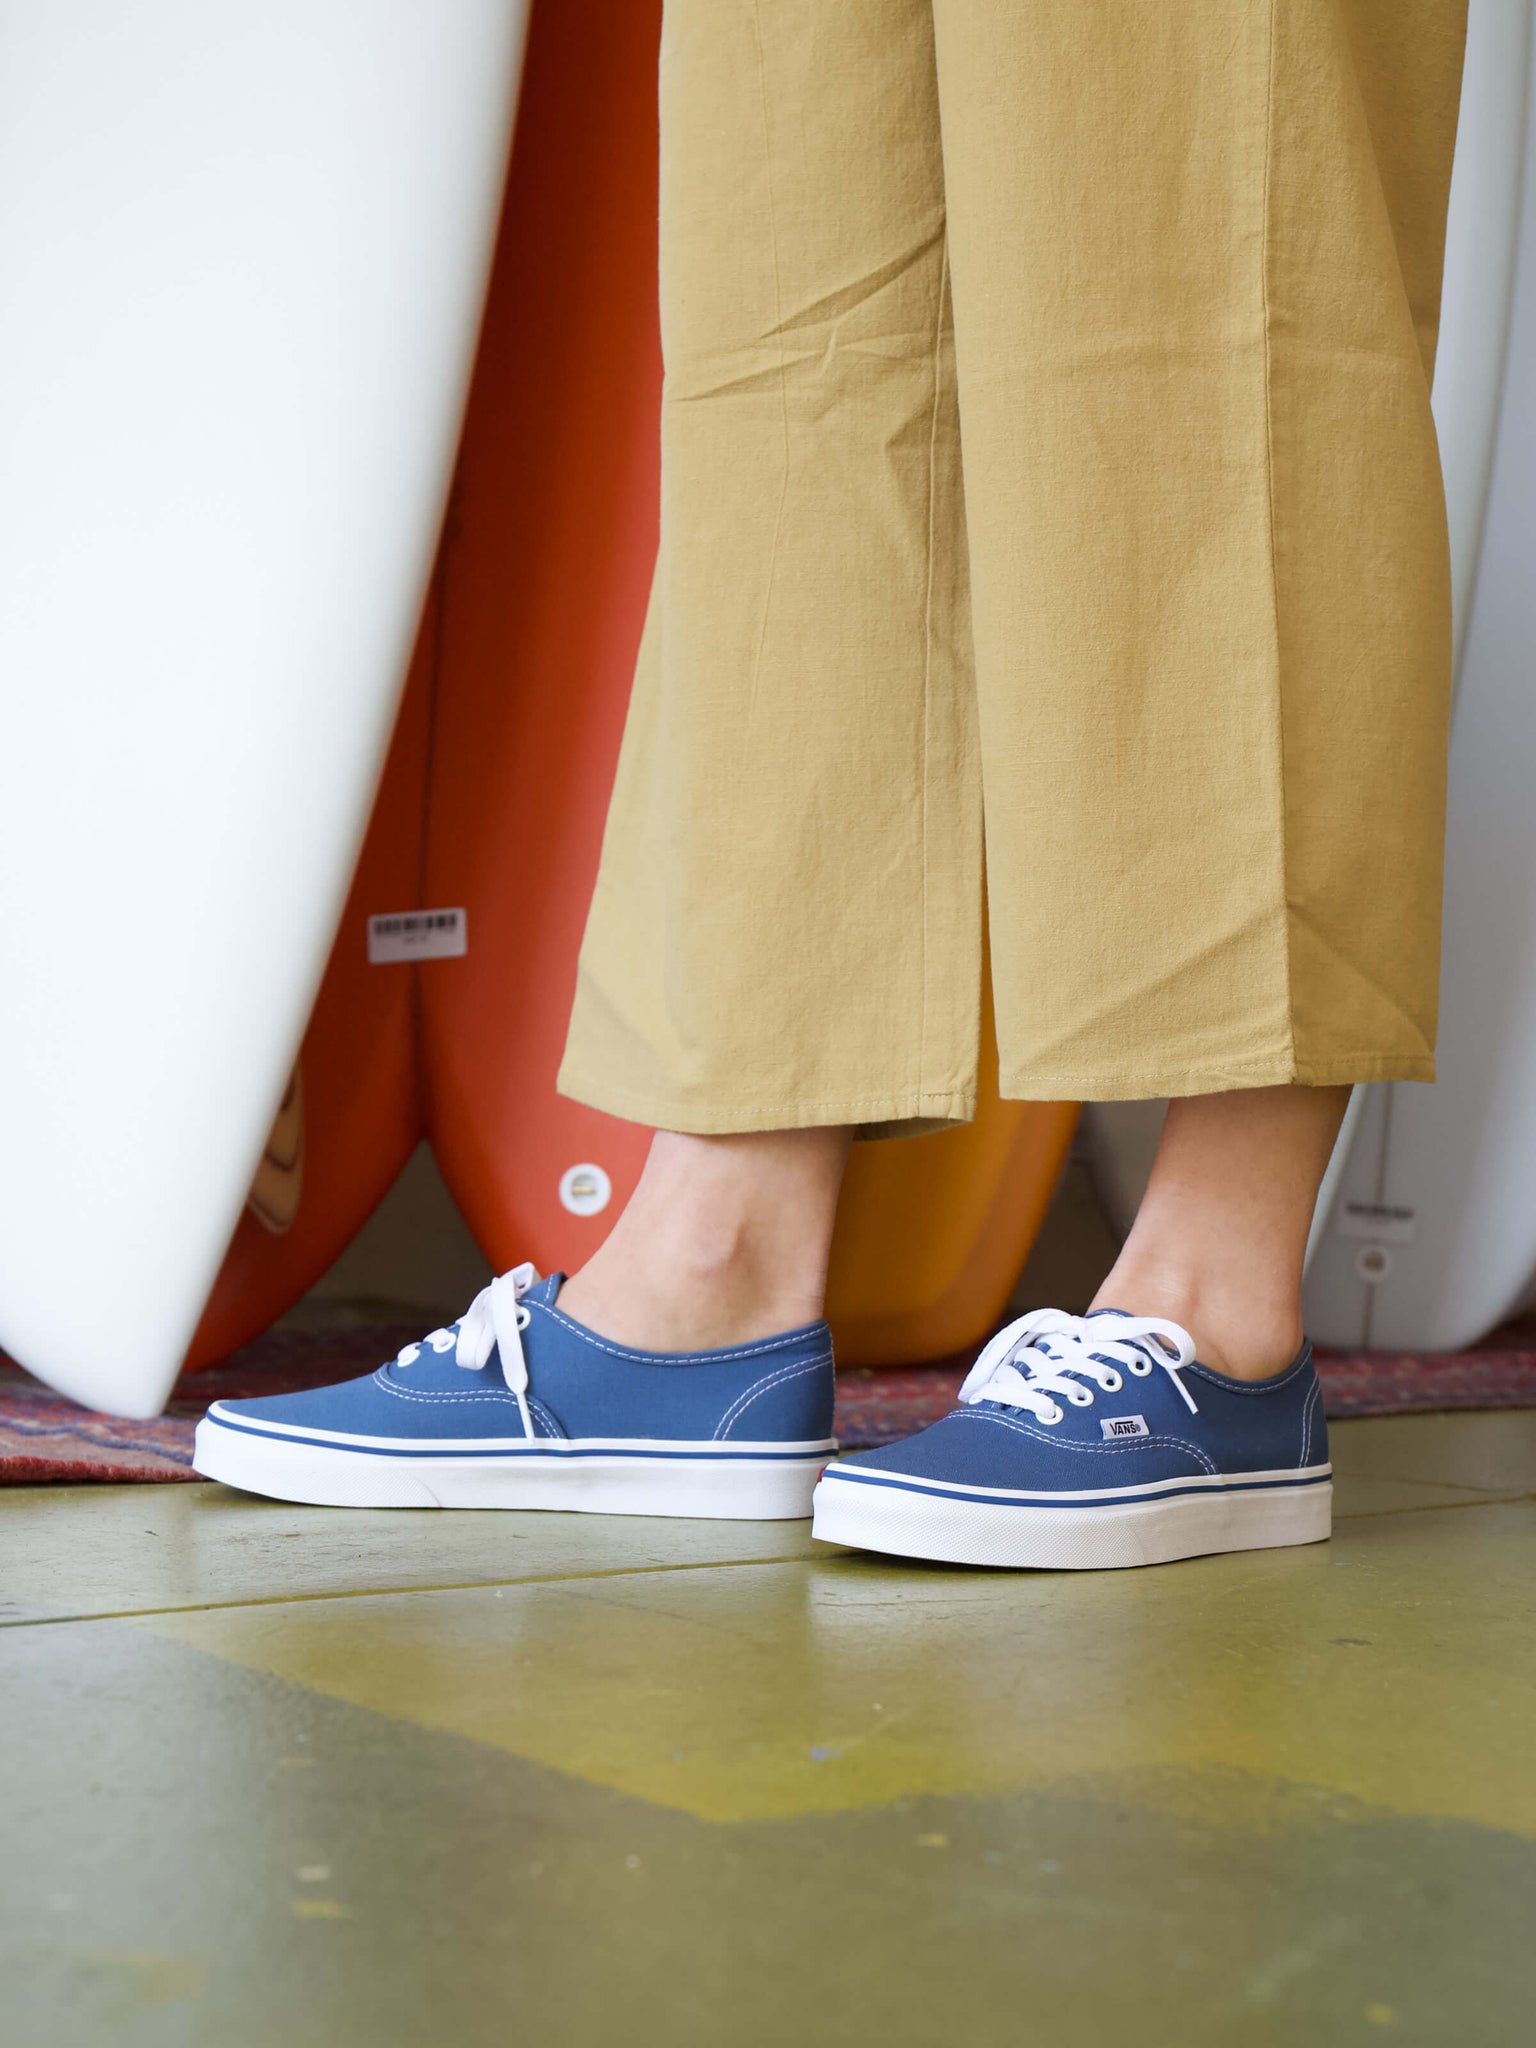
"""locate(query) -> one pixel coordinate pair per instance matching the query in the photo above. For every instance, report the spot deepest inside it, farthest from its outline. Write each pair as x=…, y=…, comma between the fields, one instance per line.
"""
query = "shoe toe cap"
x=341, y=1406
x=945, y=1450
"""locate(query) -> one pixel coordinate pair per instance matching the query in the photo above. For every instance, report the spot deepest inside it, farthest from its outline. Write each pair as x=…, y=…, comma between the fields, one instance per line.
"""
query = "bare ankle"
x=1219, y=1243
x=724, y=1241
x=1234, y=1333
x=682, y=1298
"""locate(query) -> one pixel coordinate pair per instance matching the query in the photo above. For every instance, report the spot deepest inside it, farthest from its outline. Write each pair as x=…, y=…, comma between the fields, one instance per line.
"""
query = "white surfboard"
x=243, y=245
x=1427, y=1230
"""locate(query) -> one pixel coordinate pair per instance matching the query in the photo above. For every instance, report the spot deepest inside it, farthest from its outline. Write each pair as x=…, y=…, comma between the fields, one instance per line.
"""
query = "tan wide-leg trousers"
x=1046, y=441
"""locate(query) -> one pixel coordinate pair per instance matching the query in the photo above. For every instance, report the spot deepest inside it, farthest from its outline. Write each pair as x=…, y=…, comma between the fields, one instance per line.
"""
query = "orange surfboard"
x=496, y=790
x=546, y=571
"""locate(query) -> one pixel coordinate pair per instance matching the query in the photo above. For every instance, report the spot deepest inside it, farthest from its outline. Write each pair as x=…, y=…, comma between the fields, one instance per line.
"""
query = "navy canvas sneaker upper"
x=541, y=1375
x=1110, y=1408
x=1092, y=1443
x=1164, y=1420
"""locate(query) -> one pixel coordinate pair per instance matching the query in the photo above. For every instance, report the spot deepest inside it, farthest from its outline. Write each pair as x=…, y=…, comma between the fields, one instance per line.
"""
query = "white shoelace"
x=494, y=1320
x=1048, y=1353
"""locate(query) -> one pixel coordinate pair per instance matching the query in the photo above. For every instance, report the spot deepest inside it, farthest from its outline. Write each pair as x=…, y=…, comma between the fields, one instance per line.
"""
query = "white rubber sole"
x=770, y=1483
x=954, y=1529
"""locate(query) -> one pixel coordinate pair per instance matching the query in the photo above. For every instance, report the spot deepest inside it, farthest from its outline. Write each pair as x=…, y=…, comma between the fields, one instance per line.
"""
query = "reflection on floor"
x=282, y=1775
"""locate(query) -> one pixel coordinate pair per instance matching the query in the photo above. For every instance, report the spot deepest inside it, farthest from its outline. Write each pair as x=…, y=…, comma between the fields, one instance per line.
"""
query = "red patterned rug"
x=44, y=1438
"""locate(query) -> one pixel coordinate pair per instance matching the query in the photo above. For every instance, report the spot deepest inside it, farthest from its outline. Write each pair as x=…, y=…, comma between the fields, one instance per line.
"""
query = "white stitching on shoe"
x=652, y=1357
x=431, y=1394
x=744, y=1401
x=547, y=1417
x=1308, y=1413
x=1269, y=1386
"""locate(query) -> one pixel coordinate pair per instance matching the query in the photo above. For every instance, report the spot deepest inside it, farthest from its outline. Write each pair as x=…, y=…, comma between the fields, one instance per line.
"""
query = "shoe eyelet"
x=1141, y=1370
x=1056, y=1415
x=1082, y=1400
x=1113, y=1383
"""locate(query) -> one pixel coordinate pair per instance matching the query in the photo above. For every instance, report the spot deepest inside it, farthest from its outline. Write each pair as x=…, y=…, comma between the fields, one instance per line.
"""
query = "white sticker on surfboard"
x=417, y=935
x=1382, y=1222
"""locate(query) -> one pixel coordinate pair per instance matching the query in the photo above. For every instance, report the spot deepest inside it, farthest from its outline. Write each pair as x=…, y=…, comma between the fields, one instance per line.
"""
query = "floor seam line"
x=394, y=1592
x=1435, y=1507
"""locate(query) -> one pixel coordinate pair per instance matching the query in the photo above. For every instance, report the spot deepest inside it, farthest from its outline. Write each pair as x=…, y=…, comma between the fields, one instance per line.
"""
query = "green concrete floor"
x=323, y=1778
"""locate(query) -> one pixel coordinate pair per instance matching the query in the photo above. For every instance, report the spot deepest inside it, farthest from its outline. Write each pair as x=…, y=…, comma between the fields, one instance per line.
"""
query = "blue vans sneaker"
x=1082, y=1442
x=517, y=1406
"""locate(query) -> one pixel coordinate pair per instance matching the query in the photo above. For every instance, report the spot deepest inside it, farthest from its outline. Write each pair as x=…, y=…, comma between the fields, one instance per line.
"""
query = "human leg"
x=1220, y=1237
x=785, y=936
x=1181, y=1415
x=786, y=929
x=1195, y=260
x=724, y=1240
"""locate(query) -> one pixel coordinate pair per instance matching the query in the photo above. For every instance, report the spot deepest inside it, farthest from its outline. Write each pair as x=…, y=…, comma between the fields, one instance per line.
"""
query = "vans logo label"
x=1125, y=1425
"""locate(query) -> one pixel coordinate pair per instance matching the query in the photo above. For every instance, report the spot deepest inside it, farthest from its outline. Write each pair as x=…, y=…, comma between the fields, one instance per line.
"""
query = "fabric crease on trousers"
x=1051, y=522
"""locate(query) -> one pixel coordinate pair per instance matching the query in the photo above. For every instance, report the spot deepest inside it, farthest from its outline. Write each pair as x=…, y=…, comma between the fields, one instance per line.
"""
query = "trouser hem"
x=1154, y=1083
x=910, y=1113
x=873, y=1114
